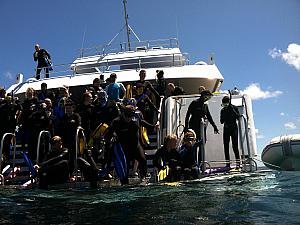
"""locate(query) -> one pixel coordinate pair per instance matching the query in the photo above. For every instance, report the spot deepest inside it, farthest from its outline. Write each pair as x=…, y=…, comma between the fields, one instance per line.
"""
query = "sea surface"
x=258, y=198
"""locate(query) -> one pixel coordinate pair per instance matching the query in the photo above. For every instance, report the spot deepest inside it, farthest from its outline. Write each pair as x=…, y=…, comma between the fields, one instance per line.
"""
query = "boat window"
x=141, y=48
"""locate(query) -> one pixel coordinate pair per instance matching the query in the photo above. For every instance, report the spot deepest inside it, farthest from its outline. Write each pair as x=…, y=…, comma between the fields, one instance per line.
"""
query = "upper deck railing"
x=123, y=47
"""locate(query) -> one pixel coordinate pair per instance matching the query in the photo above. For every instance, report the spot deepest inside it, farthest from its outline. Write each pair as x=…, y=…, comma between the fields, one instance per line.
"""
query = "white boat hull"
x=283, y=153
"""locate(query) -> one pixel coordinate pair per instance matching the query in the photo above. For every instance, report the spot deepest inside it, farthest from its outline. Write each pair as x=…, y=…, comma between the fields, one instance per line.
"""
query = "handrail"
x=1, y=179
x=140, y=62
x=79, y=129
x=169, y=42
x=159, y=119
x=247, y=140
x=202, y=145
x=38, y=145
x=1, y=148
x=180, y=137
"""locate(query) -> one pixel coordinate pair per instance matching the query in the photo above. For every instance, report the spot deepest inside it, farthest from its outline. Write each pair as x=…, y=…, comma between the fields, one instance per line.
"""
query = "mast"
x=126, y=23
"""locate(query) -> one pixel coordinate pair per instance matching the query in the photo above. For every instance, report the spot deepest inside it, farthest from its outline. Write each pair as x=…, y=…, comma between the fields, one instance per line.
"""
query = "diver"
x=43, y=59
x=105, y=111
x=144, y=103
x=199, y=109
x=127, y=127
x=188, y=155
x=168, y=155
x=229, y=116
x=68, y=128
x=55, y=168
x=85, y=109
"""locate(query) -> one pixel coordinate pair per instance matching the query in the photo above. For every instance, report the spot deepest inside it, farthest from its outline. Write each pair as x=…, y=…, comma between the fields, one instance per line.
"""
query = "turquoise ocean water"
x=265, y=198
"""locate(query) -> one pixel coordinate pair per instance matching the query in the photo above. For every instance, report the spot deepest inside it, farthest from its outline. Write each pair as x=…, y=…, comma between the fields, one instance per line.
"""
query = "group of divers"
x=112, y=117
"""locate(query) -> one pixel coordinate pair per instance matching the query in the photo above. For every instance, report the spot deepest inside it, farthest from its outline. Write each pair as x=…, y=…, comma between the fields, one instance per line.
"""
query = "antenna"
x=177, y=32
x=126, y=23
x=83, y=39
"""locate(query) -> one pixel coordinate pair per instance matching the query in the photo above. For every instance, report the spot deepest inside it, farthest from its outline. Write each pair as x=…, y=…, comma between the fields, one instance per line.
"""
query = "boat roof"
x=126, y=64
x=182, y=72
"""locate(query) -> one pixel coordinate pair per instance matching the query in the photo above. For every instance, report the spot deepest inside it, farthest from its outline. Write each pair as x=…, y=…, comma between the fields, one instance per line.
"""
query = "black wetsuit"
x=188, y=156
x=28, y=107
x=170, y=158
x=55, y=169
x=41, y=57
x=8, y=112
x=129, y=138
x=69, y=125
x=198, y=109
x=229, y=116
x=188, y=160
x=105, y=114
x=161, y=86
x=145, y=105
x=38, y=121
x=42, y=95
x=149, y=90
x=86, y=113
x=177, y=91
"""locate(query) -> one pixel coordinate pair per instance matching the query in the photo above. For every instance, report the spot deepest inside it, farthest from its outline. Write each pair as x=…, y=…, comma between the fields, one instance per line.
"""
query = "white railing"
x=117, y=64
x=123, y=47
x=13, y=138
x=39, y=143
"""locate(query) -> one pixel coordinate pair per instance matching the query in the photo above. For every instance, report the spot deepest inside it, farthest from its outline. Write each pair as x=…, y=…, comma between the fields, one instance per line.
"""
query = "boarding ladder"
x=12, y=148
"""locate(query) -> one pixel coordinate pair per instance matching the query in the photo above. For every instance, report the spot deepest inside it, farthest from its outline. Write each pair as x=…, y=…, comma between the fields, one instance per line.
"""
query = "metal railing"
x=202, y=164
x=79, y=131
x=245, y=161
x=160, y=121
x=39, y=142
x=13, y=139
x=123, y=47
x=112, y=65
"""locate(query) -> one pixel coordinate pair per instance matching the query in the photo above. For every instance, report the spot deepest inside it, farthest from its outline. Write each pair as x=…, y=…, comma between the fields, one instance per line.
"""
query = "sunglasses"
x=189, y=139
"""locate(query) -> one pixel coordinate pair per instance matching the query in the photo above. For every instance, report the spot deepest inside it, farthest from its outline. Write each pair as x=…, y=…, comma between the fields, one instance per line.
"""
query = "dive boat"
x=152, y=56
x=283, y=153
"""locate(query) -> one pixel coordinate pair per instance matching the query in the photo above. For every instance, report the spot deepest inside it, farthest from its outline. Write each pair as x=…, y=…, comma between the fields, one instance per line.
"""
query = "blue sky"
x=256, y=43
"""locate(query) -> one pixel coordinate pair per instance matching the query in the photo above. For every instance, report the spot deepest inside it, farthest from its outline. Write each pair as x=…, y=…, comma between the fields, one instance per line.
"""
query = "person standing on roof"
x=229, y=116
x=114, y=90
x=43, y=59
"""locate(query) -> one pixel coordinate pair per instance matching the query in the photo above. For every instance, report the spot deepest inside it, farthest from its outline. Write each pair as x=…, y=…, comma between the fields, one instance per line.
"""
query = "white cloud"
x=274, y=53
x=282, y=114
x=9, y=76
x=291, y=57
x=290, y=126
x=256, y=93
x=258, y=135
